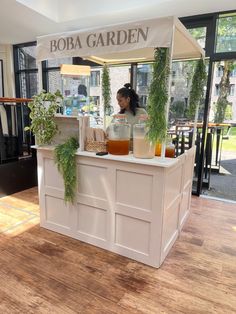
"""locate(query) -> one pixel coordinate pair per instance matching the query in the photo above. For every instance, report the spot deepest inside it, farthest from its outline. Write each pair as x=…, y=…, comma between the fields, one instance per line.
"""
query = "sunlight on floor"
x=19, y=212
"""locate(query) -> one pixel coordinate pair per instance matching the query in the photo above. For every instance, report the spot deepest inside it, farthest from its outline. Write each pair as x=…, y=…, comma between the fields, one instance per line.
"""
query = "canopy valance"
x=114, y=44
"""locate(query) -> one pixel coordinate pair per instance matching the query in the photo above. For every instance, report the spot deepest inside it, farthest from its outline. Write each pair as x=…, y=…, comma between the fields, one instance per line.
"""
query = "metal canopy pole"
x=163, y=146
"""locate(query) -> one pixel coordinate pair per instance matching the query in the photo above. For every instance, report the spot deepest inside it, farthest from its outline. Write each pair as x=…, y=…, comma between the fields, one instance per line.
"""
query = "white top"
x=134, y=119
x=131, y=119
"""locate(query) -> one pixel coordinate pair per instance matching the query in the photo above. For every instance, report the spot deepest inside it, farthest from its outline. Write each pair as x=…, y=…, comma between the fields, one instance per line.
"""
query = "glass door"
x=221, y=132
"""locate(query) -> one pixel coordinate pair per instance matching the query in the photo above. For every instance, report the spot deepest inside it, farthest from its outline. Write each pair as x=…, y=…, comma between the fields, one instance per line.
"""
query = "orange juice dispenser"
x=119, y=136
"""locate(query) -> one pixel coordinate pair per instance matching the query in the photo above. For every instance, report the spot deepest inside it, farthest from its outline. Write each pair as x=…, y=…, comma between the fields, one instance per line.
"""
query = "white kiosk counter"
x=133, y=207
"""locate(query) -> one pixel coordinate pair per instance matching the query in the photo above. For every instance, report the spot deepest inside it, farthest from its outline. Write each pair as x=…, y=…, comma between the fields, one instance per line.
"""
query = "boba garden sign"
x=120, y=37
x=110, y=39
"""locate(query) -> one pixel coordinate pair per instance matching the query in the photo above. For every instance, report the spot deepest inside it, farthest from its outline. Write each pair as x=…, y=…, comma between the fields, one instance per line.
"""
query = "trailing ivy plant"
x=65, y=160
x=197, y=88
x=158, y=96
x=106, y=90
x=42, y=110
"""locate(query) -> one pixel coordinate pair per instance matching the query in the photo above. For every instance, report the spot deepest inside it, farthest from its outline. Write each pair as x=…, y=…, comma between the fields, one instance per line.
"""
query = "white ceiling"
x=24, y=20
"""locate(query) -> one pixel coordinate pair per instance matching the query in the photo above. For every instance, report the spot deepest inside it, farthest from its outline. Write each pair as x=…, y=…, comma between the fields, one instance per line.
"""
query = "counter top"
x=156, y=161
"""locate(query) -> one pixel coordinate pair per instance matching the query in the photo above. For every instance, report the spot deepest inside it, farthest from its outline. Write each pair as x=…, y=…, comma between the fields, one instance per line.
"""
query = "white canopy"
x=130, y=42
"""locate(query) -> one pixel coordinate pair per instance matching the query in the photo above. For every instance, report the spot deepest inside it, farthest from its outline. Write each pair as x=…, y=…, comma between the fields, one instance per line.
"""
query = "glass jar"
x=142, y=147
x=119, y=136
x=170, y=149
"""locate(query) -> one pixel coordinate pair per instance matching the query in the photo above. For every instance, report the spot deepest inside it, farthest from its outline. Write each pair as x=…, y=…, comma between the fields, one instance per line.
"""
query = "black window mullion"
x=133, y=75
x=45, y=76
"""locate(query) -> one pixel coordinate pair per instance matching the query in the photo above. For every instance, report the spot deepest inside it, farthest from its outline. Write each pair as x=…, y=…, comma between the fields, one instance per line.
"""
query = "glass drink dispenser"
x=119, y=136
x=142, y=147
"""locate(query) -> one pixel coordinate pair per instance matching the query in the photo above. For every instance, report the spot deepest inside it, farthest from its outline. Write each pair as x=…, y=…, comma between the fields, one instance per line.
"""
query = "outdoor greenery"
x=158, y=96
x=43, y=108
x=177, y=110
x=197, y=88
x=222, y=105
x=65, y=160
x=226, y=33
x=106, y=90
x=233, y=131
x=199, y=33
x=225, y=42
x=229, y=144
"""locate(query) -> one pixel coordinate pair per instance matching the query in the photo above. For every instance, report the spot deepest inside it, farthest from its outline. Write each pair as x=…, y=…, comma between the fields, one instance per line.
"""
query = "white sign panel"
x=110, y=39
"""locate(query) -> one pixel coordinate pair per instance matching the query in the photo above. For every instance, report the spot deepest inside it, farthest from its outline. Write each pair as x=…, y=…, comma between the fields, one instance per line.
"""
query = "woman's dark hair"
x=128, y=91
x=82, y=90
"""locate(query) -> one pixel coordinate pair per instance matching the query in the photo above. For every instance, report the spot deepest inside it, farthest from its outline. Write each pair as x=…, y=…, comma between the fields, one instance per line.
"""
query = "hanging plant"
x=158, y=96
x=106, y=90
x=42, y=111
x=197, y=88
x=65, y=160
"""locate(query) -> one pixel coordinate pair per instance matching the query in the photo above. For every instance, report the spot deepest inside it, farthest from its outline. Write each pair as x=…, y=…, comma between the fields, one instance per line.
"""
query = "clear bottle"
x=142, y=147
x=170, y=149
x=119, y=135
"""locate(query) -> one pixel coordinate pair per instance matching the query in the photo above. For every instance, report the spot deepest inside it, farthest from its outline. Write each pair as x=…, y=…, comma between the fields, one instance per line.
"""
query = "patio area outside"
x=223, y=184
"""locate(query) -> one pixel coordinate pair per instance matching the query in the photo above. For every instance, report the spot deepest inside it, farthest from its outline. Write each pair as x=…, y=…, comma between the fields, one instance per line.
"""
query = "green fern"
x=106, y=90
x=197, y=88
x=65, y=160
x=158, y=96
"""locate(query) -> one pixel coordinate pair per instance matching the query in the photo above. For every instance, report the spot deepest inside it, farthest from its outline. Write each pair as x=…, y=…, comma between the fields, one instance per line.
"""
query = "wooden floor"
x=44, y=272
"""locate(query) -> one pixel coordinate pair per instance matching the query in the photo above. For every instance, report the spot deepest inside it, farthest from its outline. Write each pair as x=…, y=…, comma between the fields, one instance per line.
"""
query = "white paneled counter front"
x=133, y=207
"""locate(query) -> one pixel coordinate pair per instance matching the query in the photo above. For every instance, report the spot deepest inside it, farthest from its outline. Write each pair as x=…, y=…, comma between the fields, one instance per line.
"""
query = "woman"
x=128, y=101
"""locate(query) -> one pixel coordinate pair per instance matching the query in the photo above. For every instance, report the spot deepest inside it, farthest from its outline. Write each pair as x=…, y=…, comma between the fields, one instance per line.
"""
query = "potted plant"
x=43, y=108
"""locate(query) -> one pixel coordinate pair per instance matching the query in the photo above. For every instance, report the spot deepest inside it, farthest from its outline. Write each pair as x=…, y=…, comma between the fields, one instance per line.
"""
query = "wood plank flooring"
x=45, y=272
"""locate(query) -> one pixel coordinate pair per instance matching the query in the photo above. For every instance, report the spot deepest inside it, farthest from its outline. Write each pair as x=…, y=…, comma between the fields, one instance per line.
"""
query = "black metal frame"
x=18, y=71
x=210, y=21
x=2, y=77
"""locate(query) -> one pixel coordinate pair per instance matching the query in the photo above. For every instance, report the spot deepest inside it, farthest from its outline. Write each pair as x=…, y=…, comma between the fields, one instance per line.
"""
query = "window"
x=232, y=89
x=95, y=78
x=27, y=57
x=57, y=62
x=142, y=78
x=95, y=100
x=217, y=89
x=199, y=33
x=220, y=71
x=26, y=71
x=54, y=80
x=52, y=77
x=143, y=100
x=233, y=73
x=226, y=33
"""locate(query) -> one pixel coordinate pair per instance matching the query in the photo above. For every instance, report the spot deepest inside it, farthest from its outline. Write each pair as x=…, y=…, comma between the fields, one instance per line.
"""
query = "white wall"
x=6, y=54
